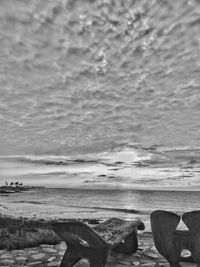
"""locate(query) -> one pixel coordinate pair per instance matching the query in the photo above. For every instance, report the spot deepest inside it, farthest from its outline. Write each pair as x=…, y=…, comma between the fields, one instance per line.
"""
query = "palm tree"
x=17, y=184
x=11, y=184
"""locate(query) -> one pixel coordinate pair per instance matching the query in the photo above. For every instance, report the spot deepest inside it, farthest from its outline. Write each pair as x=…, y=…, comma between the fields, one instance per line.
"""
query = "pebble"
x=6, y=256
x=18, y=251
x=31, y=251
x=51, y=256
x=61, y=246
x=46, y=246
x=152, y=255
x=51, y=259
x=53, y=264
x=34, y=263
x=148, y=264
x=50, y=250
x=21, y=258
x=136, y=263
x=38, y=256
x=6, y=262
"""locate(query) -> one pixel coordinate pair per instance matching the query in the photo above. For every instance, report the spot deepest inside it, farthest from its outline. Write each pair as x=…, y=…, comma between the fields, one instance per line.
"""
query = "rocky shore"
x=51, y=255
x=7, y=189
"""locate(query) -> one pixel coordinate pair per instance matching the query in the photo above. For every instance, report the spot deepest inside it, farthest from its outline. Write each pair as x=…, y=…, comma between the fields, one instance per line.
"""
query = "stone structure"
x=95, y=243
x=51, y=255
x=170, y=242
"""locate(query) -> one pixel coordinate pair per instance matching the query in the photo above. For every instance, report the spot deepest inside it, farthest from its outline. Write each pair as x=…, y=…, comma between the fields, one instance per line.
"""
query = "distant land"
x=17, y=188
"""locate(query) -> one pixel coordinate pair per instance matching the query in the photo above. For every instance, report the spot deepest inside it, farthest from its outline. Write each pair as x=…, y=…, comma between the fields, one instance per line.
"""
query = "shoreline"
x=65, y=203
x=136, y=189
x=13, y=189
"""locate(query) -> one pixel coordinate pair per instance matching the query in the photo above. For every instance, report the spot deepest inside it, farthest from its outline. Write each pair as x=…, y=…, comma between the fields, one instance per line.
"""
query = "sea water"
x=128, y=184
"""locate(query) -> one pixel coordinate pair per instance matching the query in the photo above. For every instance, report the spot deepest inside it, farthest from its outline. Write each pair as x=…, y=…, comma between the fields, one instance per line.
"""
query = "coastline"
x=61, y=204
x=10, y=189
x=45, y=249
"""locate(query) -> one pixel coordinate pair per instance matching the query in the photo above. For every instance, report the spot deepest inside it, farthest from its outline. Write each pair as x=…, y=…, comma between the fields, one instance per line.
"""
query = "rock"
x=152, y=255
x=50, y=250
x=53, y=264
x=143, y=247
x=61, y=246
x=31, y=251
x=6, y=256
x=35, y=263
x=148, y=264
x=129, y=258
x=125, y=263
x=51, y=259
x=38, y=256
x=61, y=253
x=46, y=246
x=154, y=249
x=49, y=256
x=18, y=252
x=6, y=262
x=136, y=263
x=21, y=258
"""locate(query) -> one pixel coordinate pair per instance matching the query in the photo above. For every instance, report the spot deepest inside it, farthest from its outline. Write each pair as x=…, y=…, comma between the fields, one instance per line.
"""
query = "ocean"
x=100, y=103
x=128, y=184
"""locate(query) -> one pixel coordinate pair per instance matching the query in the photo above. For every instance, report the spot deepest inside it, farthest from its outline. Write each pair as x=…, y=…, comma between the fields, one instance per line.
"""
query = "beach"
x=128, y=184
x=96, y=204
x=99, y=115
x=89, y=205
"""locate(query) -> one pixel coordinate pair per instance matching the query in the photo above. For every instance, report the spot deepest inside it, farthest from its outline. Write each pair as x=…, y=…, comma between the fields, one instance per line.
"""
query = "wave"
x=30, y=202
x=122, y=210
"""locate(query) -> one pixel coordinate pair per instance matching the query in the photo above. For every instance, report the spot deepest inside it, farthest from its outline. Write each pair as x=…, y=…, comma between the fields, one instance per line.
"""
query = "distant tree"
x=11, y=183
x=6, y=183
x=17, y=184
x=21, y=184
